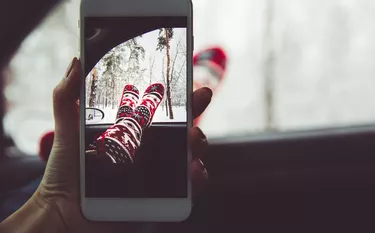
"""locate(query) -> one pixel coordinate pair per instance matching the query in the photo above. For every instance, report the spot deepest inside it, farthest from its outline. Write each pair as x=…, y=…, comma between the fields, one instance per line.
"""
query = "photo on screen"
x=136, y=108
x=139, y=63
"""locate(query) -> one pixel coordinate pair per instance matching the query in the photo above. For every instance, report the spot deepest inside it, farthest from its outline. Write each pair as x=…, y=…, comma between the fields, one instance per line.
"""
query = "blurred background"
x=292, y=65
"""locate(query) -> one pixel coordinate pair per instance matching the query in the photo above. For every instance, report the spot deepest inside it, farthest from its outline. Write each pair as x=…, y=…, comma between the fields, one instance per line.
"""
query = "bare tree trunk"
x=177, y=78
x=113, y=97
x=106, y=93
x=150, y=76
x=94, y=79
x=164, y=104
x=152, y=64
x=178, y=45
x=269, y=69
x=166, y=107
x=168, y=73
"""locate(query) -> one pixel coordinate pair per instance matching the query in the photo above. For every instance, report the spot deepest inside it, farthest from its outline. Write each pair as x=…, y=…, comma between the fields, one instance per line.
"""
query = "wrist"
x=36, y=215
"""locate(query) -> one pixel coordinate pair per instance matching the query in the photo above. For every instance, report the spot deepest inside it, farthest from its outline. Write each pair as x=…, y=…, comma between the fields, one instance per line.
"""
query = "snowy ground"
x=323, y=51
x=179, y=115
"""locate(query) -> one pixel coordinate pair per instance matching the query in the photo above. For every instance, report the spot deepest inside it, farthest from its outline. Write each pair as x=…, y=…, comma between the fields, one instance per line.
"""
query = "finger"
x=65, y=97
x=201, y=99
x=78, y=110
x=63, y=163
x=78, y=105
x=198, y=142
x=199, y=177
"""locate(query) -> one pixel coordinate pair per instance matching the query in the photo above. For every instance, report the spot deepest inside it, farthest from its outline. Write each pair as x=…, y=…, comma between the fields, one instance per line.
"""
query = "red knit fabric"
x=214, y=61
x=121, y=141
x=45, y=145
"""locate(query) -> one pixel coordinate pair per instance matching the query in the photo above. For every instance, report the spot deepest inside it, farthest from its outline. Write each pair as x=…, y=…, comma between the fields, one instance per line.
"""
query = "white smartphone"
x=135, y=107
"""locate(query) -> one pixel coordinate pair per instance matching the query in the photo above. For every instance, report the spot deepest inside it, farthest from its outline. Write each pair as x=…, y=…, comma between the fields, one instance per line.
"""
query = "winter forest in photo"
x=156, y=56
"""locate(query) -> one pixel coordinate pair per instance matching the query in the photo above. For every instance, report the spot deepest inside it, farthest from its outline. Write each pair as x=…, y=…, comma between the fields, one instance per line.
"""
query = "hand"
x=60, y=184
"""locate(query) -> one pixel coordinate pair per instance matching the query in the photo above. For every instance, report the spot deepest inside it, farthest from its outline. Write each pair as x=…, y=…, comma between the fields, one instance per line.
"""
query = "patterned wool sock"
x=151, y=99
x=129, y=99
x=209, y=69
x=120, y=141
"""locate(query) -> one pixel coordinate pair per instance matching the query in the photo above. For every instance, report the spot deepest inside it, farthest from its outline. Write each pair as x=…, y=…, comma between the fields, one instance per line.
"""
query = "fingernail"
x=201, y=163
x=208, y=92
x=201, y=135
x=203, y=167
x=205, y=173
x=202, y=141
x=69, y=69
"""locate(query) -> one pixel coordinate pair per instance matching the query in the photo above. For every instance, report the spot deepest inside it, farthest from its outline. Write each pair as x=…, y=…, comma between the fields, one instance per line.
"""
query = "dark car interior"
x=150, y=177
x=313, y=181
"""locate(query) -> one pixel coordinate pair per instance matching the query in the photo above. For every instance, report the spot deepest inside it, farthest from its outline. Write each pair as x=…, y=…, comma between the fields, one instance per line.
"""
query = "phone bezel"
x=136, y=209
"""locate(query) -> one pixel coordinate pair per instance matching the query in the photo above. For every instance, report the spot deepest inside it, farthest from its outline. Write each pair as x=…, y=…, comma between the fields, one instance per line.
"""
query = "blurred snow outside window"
x=293, y=65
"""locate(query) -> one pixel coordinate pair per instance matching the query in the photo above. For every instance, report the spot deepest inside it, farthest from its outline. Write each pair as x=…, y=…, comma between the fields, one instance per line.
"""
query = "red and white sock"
x=120, y=141
x=151, y=99
x=129, y=99
x=209, y=69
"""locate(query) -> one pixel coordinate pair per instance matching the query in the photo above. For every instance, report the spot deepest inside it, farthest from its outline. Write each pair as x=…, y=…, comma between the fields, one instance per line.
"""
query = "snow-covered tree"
x=165, y=36
x=92, y=88
x=120, y=66
x=178, y=73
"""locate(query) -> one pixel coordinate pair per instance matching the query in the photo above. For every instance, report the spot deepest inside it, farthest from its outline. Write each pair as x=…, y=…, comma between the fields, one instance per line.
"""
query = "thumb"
x=65, y=97
x=62, y=167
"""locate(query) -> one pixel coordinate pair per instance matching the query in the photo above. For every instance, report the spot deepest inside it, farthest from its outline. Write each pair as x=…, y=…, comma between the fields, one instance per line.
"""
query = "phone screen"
x=136, y=107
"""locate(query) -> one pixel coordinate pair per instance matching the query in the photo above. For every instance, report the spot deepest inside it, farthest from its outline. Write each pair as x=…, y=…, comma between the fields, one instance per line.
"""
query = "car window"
x=291, y=65
x=138, y=62
x=36, y=68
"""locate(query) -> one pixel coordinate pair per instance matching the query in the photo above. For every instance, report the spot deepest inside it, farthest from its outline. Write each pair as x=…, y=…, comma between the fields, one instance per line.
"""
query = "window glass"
x=37, y=67
x=291, y=65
